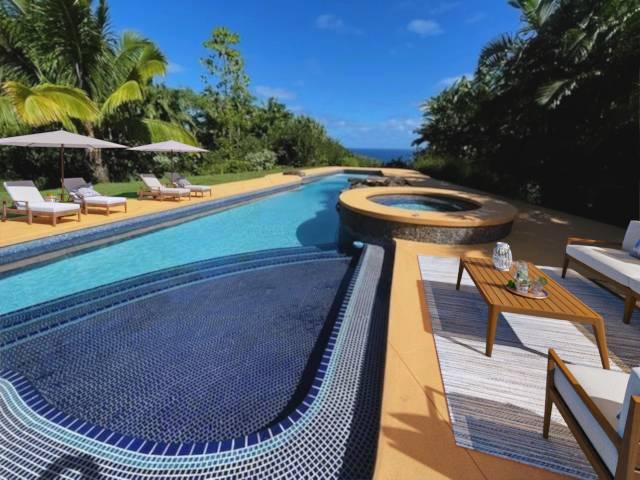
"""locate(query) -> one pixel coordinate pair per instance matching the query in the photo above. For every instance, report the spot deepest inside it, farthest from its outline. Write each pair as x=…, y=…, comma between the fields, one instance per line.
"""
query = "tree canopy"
x=551, y=113
x=61, y=66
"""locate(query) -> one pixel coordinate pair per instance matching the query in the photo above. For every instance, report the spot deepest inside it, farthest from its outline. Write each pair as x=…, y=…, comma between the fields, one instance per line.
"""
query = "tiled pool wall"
x=331, y=434
x=76, y=239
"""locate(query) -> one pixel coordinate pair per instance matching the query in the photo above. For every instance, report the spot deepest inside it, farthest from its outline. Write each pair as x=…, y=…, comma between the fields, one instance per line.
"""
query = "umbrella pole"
x=61, y=173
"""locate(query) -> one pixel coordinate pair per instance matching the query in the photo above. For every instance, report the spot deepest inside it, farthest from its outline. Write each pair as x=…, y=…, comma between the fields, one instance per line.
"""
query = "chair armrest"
x=593, y=242
x=555, y=362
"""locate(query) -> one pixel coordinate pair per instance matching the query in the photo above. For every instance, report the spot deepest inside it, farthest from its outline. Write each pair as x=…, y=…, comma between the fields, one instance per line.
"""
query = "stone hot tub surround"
x=487, y=220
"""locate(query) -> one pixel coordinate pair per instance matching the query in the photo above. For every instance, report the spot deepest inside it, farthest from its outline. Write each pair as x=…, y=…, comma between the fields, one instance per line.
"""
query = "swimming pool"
x=304, y=217
x=190, y=354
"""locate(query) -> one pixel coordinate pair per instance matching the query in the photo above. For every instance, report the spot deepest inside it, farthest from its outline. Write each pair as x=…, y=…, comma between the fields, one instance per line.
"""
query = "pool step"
x=26, y=322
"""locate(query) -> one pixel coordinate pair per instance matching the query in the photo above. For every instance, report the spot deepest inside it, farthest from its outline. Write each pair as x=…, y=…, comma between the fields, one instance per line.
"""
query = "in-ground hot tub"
x=425, y=203
x=380, y=214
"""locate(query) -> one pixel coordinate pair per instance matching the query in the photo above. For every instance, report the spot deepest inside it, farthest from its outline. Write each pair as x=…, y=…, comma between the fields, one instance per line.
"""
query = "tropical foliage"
x=551, y=114
x=61, y=66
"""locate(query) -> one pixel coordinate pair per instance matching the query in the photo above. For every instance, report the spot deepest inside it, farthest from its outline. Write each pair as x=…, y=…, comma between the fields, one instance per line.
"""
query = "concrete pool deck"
x=16, y=230
x=416, y=440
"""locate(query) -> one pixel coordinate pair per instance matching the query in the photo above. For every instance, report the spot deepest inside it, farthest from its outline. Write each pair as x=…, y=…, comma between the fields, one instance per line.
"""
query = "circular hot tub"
x=381, y=214
x=425, y=203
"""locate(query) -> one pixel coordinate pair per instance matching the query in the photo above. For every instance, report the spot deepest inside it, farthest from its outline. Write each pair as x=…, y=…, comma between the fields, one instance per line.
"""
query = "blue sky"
x=360, y=67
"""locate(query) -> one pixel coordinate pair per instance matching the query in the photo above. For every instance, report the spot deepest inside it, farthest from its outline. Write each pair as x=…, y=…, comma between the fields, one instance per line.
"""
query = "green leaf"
x=127, y=92
x=161, y=131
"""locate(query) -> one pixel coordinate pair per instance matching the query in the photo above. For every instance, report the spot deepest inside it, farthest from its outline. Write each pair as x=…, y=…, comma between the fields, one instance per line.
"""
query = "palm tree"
x=60, y=64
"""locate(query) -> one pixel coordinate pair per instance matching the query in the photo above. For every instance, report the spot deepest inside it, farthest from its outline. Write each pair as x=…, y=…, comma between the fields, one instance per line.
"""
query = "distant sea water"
x=385, y=155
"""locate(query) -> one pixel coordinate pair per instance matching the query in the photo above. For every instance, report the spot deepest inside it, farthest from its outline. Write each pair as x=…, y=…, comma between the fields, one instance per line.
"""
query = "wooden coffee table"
x=560, y=304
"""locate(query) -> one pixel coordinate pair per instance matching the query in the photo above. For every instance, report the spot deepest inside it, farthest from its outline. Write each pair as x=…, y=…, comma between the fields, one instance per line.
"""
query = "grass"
x=130, y=189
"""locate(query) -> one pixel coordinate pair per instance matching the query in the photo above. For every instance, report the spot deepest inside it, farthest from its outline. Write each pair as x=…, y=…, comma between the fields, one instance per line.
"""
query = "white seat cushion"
x=175, y=191
x=631, y=236
x=198, y=188
x=51, y=207
x=633, y=388
x=614, y=263
x=607, y=389
x=23, y=193
x=102, y=200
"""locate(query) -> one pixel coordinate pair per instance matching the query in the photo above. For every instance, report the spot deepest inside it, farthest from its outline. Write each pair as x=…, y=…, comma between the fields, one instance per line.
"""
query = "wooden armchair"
x=602, y=409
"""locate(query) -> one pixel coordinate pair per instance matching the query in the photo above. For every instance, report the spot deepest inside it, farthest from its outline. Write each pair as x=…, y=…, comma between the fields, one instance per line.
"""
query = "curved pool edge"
x=490, y=211
x=295, y=444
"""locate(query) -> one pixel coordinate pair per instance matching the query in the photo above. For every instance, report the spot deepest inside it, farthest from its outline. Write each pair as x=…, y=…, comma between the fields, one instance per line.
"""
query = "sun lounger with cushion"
x=83, y=193
x=155, y=189
x=27, y=200
x=179, y=181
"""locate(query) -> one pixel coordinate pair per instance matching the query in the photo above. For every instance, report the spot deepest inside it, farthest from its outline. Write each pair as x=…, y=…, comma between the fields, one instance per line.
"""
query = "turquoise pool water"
x=303, y=217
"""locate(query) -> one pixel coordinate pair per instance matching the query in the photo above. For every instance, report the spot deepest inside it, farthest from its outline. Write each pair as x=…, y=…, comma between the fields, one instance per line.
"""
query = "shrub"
x=262, y=160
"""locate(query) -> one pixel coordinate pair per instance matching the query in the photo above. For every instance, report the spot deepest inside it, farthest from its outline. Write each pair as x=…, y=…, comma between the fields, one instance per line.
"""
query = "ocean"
x=385, y=154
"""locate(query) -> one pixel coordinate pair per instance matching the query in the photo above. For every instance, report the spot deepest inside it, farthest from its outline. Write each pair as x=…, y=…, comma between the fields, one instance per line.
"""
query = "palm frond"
x=127, y=92
x=551, y=93
x=160, y=131
x=47, y=104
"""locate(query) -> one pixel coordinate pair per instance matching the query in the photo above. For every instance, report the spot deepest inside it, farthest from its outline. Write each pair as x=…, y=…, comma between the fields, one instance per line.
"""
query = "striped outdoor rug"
x=496, y=404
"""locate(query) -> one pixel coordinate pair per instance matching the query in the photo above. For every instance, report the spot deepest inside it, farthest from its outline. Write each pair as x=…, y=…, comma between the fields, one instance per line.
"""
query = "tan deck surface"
x=416, y=440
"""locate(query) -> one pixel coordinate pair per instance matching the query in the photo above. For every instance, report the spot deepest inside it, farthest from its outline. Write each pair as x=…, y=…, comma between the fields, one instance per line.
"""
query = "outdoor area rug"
x=496, y=404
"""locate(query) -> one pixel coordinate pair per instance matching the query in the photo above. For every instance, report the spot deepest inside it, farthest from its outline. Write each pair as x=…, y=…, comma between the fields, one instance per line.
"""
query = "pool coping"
x=48, y=248
x=491, y=211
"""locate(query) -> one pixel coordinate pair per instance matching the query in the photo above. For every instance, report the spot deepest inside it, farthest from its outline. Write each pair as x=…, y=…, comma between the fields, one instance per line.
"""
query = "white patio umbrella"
x=59, y=139
x=170, y=147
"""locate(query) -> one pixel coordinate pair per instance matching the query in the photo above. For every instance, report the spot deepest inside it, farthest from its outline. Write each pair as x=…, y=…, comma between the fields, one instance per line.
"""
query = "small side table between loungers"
x=560, y=304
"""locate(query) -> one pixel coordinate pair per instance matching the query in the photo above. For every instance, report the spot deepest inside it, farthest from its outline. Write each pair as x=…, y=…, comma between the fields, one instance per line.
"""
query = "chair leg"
x=108, y=210
x=125, y=207
x=629, y=306
x=54, y=220
x=79, y=216
x=29, y=217
x=548, y=402
x=4, y=211
x=565, y=266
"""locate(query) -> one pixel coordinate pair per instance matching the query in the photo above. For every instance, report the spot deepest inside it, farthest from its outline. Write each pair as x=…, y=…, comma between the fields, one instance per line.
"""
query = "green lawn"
x=130, y=189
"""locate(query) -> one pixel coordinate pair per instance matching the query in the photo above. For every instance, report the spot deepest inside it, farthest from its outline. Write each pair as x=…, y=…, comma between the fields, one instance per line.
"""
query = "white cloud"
x=476, y=18
x=275, y=92
x=424, y=28
x=174, y=68
x=328, y=21
x=449, y=81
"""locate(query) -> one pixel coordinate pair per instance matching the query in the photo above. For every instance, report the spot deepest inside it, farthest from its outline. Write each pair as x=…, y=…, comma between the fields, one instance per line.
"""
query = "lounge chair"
x=612, y=260
x=155, y=189
x=83, y=194
x=26, y=199
x=179, y=181
x=602, y=410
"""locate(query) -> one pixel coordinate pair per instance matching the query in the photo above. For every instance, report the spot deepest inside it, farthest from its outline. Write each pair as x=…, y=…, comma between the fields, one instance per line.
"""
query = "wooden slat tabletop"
x=492, y=286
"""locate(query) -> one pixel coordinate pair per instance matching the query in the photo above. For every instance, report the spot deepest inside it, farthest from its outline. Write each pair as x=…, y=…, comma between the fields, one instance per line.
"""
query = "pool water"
x=304, y=217
x=424, y=203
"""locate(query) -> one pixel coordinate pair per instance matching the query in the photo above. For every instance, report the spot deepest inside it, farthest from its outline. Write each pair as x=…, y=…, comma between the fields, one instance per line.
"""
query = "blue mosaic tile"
x=337, y=439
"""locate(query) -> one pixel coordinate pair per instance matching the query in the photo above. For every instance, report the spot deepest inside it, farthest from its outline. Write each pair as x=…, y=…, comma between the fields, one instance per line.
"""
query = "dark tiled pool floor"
x=215, y=359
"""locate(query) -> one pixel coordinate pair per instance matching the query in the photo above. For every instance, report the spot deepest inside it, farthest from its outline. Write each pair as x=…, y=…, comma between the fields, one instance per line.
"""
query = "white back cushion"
x=151, y=182
x=632, y=236
x=24, y=194
x=633, y=388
